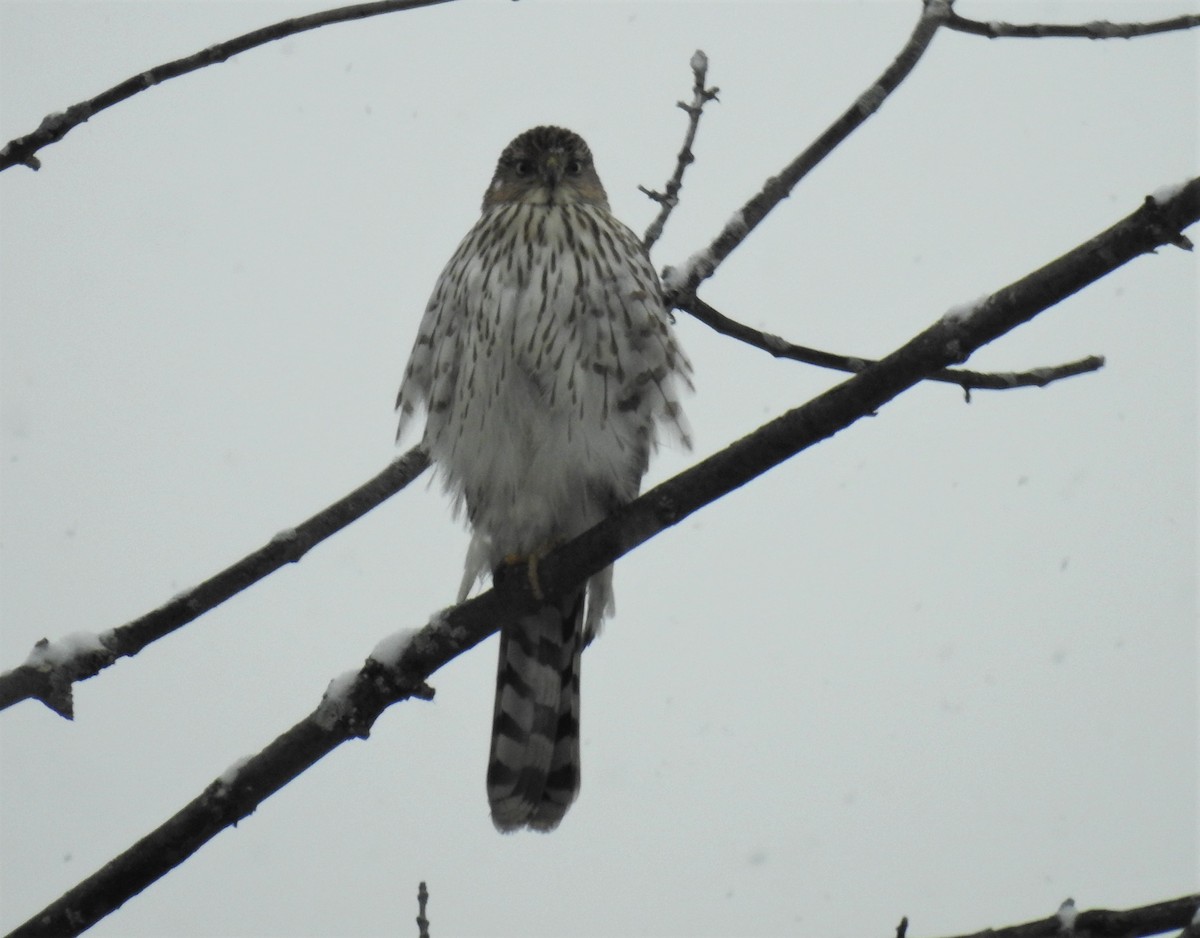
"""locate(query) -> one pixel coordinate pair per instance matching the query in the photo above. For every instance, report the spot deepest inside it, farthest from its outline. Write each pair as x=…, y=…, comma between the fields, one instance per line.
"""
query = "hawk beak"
x=552, y=169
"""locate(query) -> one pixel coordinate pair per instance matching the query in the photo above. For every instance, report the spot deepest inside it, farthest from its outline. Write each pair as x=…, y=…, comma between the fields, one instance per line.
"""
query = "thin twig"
x=682, y=281
x=669, y=197
x=53, y=668
x=965, y=379
x=56, y=126
x=422, y=921
x=1097, y=29
x=353, y=702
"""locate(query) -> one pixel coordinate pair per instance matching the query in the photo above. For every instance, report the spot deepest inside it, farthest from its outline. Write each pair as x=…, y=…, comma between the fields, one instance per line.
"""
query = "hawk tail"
x=533, y=768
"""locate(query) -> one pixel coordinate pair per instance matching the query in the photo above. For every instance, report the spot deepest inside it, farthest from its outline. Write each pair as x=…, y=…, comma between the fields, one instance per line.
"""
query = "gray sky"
x=942, y=665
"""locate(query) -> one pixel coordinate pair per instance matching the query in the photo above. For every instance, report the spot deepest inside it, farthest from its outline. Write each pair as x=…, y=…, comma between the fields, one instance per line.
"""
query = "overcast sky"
x=942, y=665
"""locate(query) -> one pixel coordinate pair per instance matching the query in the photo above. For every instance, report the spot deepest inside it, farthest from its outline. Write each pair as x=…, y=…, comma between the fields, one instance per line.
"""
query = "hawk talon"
x=535, y=585
x=531, y=573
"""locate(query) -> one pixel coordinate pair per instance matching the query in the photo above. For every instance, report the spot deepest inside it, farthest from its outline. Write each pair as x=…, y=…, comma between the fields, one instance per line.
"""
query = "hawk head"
x=546, y=166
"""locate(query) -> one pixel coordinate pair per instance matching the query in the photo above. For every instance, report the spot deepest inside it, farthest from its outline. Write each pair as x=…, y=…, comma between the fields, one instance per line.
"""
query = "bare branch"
x=669, y=197
x=1158, y=222
x=684, y=280
x=1097, y=29
x=56, y=126
x=354, y=701
x=53, y=667
x=422, y=921
x=1104, y=923
x=967, y=380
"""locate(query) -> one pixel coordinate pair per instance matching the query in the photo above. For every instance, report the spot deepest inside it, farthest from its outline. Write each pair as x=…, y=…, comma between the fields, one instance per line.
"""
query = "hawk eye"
x=523, y=167
x=574, y=168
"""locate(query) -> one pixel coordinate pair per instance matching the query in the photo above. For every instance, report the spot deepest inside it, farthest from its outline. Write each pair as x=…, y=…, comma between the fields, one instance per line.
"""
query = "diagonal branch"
x=1158, y=222
x=684, y=280
x=1106, y=923
x=56, y=126
x=967, y=380
x=53, y=667
x=398, y=669
x=669, y=197
x=1097, y=29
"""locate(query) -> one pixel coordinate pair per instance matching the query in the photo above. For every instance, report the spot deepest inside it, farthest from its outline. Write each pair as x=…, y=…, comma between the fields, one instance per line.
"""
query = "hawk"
x=546, y=366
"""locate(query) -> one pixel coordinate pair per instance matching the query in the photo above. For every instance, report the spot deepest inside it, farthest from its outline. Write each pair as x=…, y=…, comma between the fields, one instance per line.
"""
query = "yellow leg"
x=535, y=586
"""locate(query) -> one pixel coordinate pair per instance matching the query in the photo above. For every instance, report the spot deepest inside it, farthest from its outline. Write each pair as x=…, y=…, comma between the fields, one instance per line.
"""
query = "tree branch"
x=53, y=667
x=779, y=347
x=967, y=380
x=56, y=126
x=1104, y=923
x=669, y=197
x=1097, y=29
x=397, y=669
x=1159, y=221
x=683, y=281
x=422, y=921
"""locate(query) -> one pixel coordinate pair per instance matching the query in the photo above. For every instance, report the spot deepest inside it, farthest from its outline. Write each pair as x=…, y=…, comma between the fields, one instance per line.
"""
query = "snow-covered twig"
x=1097, y=29
x=669, y=197
x=52, y=668
x=965, y=379
x=1067, y=915
x=49, y=679
x=354, y=702
x=56, y=126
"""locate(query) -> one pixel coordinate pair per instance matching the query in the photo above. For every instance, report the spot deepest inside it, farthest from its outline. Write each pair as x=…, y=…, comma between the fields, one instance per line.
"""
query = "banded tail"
x=533, y=769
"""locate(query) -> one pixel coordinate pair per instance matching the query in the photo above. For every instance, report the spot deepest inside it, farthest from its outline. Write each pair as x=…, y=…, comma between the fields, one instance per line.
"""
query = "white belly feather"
x=542, y=394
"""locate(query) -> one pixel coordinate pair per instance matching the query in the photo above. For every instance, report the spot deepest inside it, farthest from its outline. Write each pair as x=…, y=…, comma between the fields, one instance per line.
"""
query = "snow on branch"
x=683, y=280
x=355, y=700
x=57, y=125
x=52, y=668
x=943, y=344
x=1105, y=923
x=50, y=672
x=1097, y=29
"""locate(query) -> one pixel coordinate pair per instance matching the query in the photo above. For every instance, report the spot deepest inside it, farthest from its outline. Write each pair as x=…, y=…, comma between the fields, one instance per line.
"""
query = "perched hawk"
x=546, y=364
